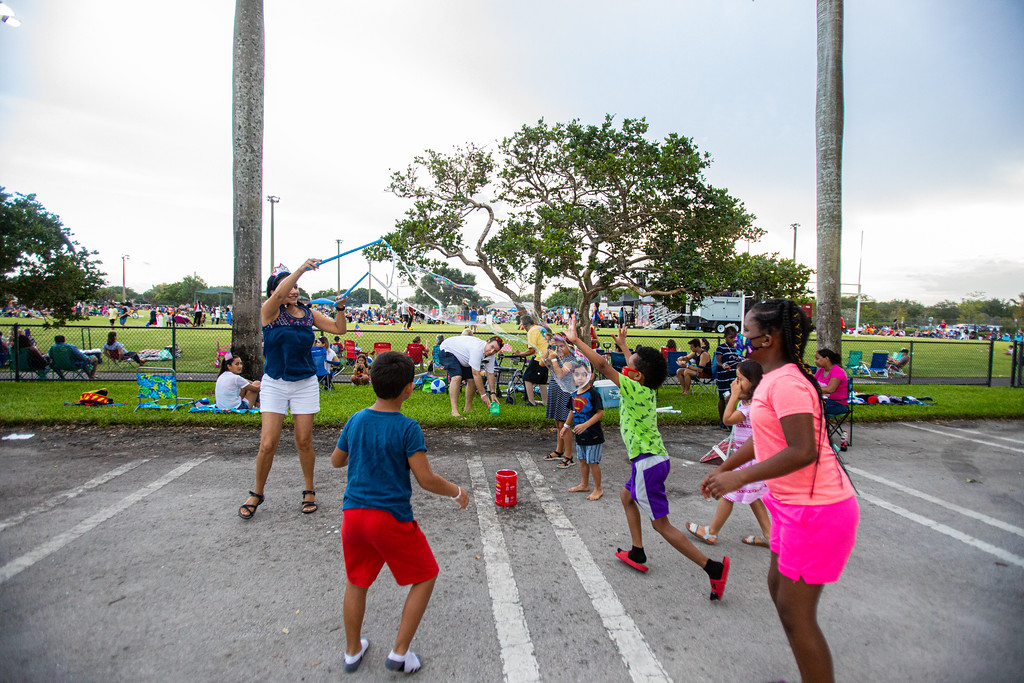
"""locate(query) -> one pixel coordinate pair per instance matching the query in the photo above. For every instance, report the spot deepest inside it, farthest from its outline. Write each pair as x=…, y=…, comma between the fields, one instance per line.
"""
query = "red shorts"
x=369, y=538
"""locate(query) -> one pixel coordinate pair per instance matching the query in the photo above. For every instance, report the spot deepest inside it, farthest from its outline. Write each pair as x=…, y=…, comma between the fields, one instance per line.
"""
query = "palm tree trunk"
x=829, y=144
x=247, y=133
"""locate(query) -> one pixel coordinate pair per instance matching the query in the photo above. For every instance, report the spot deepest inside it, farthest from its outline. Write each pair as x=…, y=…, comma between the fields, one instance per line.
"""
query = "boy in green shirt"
x=644, y=372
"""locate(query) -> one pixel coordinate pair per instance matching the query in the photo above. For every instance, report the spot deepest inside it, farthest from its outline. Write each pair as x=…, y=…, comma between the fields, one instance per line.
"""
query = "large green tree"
x=433, y=289
x=602, y=206
x=42, y=266
x=768, y=276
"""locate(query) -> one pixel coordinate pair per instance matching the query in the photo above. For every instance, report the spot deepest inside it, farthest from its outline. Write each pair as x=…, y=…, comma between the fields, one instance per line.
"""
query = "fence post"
x=174, y=347
x=15, y=352
x=1015, y=364
x=991, y=358
x=910, y=367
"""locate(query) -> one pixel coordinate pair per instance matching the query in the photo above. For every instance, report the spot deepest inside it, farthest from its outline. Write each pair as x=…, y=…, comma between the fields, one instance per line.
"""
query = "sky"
x=117, y=115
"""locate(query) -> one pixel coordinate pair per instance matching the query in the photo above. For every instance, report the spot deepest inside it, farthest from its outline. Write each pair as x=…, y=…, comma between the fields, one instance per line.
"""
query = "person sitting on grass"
x=638, y=384
x=585, y=413
x=361, y=370
x=380, y=447
x=234, y=392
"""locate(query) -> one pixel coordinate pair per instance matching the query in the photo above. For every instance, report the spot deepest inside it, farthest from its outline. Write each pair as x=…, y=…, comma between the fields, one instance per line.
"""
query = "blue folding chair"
x=879, y=364
x=618, y=360
x=158, y=389
x=323, y=375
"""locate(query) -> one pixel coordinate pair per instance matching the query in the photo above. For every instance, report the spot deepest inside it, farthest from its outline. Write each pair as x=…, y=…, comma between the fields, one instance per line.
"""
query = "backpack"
x=95, y=398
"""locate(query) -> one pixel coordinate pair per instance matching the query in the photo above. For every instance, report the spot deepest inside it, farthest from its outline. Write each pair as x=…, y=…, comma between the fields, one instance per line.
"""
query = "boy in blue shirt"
x=585, y=412
x=644, y=372
x=381, y=446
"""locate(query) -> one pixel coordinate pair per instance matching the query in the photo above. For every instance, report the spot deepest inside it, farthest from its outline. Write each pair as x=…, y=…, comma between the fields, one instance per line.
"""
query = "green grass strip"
x=42, y=403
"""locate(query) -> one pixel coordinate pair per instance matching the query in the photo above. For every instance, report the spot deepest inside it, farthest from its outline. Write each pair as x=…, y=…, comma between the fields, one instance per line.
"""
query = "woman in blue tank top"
x=289, y=379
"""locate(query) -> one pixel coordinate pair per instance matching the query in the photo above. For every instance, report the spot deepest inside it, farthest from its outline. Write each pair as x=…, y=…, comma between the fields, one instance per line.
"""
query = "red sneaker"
x=718, y=585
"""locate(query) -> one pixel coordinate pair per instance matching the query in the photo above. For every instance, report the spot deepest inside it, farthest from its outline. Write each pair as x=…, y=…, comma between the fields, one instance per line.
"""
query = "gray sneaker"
x=411, y=664
x=351, y=668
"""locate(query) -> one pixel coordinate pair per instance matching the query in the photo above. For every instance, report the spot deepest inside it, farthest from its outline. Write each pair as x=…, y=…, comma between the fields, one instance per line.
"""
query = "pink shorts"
x=813, y=542
x=369, y=538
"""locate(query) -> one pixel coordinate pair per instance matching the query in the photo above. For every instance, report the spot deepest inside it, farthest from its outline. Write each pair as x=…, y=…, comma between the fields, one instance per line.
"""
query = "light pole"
x=339, y=266
x=273, y=200
x=794, y=226
x=124, y=259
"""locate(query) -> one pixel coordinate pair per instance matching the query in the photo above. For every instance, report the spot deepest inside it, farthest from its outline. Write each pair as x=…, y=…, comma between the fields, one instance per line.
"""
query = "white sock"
x=412, y=662
x=352, y=659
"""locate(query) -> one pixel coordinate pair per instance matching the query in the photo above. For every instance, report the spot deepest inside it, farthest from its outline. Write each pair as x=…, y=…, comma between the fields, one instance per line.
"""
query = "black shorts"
x=454, y=367
x=536, y=373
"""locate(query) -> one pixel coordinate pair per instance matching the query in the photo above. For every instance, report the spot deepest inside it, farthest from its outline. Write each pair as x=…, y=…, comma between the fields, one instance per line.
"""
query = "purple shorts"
x=647, y=483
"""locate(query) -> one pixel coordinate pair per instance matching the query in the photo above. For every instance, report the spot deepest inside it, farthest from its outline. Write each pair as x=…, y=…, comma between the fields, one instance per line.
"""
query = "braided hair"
x=785, y=317
x=795, y=325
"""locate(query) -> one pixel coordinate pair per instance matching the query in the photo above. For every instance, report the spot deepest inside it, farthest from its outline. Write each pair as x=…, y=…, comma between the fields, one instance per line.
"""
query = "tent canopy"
x=216, y=290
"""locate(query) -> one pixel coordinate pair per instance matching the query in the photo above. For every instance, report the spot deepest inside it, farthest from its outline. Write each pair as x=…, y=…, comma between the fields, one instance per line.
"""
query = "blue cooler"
x=609, y=392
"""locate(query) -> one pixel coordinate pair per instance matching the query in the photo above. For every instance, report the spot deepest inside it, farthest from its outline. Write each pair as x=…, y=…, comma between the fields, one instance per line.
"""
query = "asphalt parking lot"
x=121, y=557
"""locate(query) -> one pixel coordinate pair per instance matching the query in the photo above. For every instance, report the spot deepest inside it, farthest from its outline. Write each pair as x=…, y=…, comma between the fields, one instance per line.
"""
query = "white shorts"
x=278, y=395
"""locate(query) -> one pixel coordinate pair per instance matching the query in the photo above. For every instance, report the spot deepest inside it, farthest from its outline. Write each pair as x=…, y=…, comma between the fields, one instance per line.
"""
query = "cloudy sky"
x=117, y=114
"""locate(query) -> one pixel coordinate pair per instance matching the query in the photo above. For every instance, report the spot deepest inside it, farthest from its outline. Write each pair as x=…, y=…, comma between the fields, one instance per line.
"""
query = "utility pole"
x=860, y=265
x=339, y=266
x=273, y=200
x=124, y=259
x=794, y=226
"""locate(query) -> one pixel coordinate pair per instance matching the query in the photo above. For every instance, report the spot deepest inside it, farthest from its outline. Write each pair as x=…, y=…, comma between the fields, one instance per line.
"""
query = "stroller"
x=512, y=376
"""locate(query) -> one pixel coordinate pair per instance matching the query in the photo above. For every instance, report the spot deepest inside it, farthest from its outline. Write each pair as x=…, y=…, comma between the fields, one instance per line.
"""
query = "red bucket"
x=505, y=488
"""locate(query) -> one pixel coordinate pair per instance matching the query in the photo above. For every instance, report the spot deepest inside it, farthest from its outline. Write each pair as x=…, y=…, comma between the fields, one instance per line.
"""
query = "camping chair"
x=323, y=374
x=222, y=352
x=837, y=415
x=671, y=359
x=618, y=360
x=23, y=366
x=157, y=386
x=380, y=347
x=63, y=362
x=116, y=358
x=350, y=352
x=855, y=365
x=879, y=364
x=895, y=371
x=703, y=385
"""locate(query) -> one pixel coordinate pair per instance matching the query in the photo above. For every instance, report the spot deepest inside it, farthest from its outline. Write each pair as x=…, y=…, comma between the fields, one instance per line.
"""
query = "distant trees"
x=973, y=309
x=41, y=265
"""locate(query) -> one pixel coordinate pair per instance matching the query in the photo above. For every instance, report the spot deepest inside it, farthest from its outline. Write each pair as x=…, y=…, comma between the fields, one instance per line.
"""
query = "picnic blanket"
x=206, y=408
x=882, y=399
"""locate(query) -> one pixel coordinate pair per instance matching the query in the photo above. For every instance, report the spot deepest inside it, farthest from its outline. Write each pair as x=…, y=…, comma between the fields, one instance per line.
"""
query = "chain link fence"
x=197, y=350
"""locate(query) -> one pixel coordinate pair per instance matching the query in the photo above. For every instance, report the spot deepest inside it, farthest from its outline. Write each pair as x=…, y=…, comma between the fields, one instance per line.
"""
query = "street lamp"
x=124, y=260
x=273, y=200
x=794, y=226
x=339, y=266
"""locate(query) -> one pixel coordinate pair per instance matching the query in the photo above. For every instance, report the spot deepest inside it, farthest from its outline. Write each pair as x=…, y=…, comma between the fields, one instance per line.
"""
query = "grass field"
x=931, y=358
x=37, y=403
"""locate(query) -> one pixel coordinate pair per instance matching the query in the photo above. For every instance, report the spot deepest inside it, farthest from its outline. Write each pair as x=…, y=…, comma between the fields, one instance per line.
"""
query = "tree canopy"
x=602, y=206
x=42, y=265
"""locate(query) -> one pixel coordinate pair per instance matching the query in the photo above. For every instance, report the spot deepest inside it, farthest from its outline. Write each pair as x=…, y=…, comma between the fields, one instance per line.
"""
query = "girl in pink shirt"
x=814, y=512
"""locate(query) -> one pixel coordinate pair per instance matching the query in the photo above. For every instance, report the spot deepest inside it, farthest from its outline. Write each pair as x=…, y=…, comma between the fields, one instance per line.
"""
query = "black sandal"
x=250, y=507
x=566, y=463
x=309, y=506
x=555, y=455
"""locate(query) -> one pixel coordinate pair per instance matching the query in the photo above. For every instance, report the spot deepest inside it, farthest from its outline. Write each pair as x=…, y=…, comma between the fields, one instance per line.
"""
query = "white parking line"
x=17, y=565
x=990, y=436
x=65, y=496
x=999, y=524
x=948, y=531
x=636, y=654
x=965, y=438
x=517, y=657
